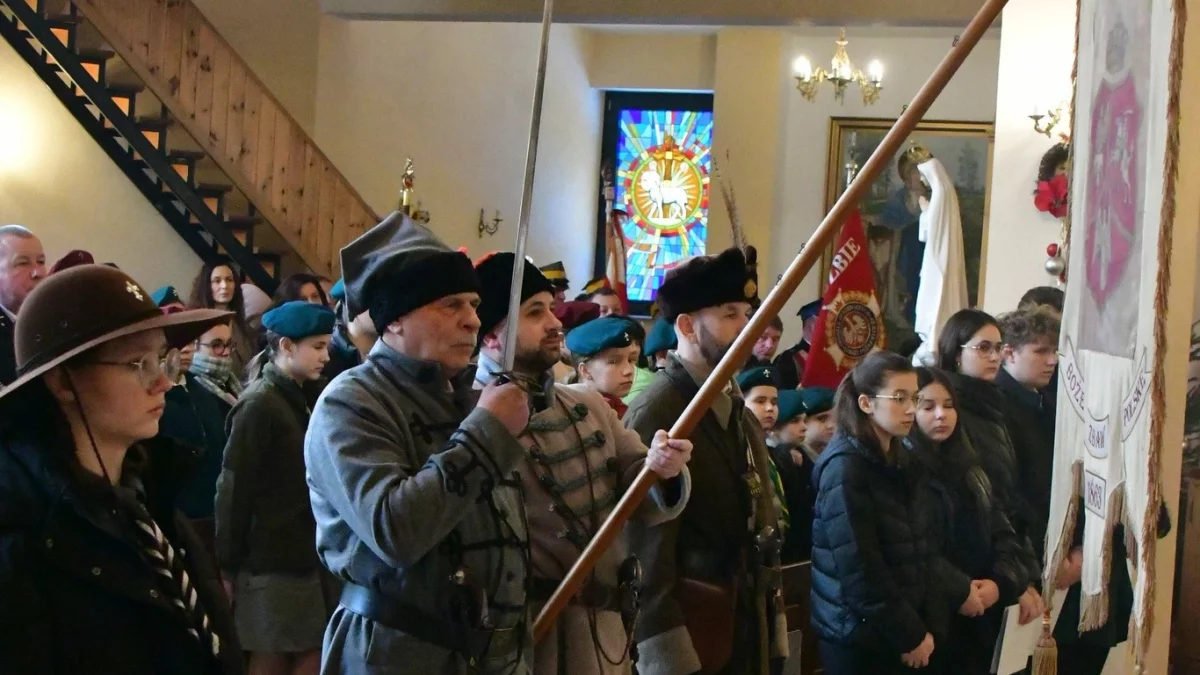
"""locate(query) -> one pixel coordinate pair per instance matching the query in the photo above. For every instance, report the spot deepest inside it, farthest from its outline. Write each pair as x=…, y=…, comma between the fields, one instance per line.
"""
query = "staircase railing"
x=231, y=114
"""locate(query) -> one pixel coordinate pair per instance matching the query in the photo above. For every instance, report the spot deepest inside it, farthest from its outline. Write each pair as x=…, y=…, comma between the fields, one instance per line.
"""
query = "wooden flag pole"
x=809, y=255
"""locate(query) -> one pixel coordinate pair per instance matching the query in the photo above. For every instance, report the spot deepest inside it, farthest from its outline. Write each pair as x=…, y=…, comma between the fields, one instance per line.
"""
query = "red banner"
x=850, y=324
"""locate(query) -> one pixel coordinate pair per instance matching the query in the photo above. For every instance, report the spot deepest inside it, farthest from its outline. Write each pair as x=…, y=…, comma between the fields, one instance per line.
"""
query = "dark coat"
x=78, y=595
x=264, y=519
x=982, y=419
x=195, y=416
x=873, y=563
x=970, y=531
x=800, y=496
x=712, y=533
x=8, y=357
x=1030, y=421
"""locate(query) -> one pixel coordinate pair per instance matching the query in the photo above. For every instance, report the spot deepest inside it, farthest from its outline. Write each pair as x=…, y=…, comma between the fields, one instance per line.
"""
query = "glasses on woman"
x=218, y=346
x=985, y=348
x=150, y=367
x=900, y=397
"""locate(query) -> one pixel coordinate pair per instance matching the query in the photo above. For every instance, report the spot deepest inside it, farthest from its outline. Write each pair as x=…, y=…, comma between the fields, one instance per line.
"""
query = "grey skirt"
x=280, y=613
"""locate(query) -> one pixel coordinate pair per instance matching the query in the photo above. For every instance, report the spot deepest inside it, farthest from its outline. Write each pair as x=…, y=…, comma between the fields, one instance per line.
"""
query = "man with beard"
x=580, y=461
x=712, y=601
x=411, y=474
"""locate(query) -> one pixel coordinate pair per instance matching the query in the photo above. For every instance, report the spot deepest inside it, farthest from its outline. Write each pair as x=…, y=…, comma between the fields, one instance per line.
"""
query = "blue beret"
x=661, y=338
x=597, y=335
x=791, y=405
x=298, y=320
x=758, y=376
x=338, y=292
x=817, y=399
x=165, y=296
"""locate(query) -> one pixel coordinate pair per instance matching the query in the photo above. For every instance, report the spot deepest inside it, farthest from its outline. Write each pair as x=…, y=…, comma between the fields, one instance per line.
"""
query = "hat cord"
x=87, y=427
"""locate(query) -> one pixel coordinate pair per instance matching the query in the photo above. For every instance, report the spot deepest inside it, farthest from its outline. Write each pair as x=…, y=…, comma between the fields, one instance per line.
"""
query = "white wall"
x=908, y=57
x=457, y=97
x=656, y=61
x=278, y=40
x=56, y=181
x=1037, y=46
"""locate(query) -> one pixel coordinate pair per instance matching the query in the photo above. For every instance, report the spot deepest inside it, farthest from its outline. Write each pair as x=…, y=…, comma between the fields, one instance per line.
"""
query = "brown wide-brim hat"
x=83, y=307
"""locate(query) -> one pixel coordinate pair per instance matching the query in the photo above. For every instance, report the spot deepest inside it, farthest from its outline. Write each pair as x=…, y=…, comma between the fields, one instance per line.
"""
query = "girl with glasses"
x=873, y=608
x=98, y=571
x=969, y=350
x=266, y=533
x=984, y=571
x=217, y=286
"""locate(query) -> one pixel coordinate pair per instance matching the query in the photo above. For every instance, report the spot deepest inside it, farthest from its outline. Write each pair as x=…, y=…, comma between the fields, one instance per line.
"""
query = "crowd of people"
x=346, y=478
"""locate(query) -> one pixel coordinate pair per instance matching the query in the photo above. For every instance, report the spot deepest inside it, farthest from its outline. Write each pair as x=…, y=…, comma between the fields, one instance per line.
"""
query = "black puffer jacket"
x=872, y=559
x=981, y=416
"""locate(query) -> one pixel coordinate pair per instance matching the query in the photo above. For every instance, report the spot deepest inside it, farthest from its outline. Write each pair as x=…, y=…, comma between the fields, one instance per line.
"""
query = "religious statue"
x=407, y=179
x=901, y=213
x=942, y=290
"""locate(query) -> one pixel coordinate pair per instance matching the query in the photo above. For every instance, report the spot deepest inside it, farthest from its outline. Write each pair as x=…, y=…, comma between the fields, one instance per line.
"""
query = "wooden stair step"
x=126, y=89
x=186, y=155
x=242, y=221
x=218, y=189
x=96, y=55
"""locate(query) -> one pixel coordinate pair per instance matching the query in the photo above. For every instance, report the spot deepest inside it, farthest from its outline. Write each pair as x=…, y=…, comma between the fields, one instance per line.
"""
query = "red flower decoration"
x=1051, y=196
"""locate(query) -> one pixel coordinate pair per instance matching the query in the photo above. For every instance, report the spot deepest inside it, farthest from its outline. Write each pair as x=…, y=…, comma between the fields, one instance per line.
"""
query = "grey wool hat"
x=398, y=266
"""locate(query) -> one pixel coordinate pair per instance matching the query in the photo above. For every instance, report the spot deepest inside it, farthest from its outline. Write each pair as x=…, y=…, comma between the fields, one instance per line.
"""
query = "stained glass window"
x=663, y=159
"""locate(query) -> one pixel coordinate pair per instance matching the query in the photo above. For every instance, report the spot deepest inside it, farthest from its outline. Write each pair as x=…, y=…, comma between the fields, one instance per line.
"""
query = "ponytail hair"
x=254, y=369
x=868, y=377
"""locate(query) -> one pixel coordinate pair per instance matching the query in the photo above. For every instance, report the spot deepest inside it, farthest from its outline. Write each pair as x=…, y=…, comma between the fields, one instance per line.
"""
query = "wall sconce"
x=1056, y=118
x=489, y=228
x=841, y=75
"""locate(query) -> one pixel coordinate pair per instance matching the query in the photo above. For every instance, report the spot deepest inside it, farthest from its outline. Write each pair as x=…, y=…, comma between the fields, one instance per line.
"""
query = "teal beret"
x=298, y=320
x=758, y=376
x=165, y=296
x=597, y=335
x=661, y=338
x=338, y=292
x=817, y=399
x=791, y=406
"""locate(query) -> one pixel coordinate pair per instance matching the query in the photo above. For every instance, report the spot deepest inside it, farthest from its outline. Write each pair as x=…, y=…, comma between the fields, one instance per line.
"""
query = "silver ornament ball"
x=1055, y=266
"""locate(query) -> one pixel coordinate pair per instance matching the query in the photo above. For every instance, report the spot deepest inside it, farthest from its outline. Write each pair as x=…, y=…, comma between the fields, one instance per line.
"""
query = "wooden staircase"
x=199, y=135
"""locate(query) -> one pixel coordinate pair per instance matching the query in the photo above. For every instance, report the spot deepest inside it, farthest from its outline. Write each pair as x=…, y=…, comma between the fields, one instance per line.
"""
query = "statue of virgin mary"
x=943, y=288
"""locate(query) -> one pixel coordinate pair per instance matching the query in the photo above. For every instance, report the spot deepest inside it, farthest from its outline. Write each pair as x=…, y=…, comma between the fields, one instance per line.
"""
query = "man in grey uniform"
x=412, y=475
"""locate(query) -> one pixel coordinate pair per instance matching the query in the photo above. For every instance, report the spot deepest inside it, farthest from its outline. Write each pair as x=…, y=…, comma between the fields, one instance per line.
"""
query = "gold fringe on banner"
x=1140, y=634
x=1063, y=545
x=1095, y=609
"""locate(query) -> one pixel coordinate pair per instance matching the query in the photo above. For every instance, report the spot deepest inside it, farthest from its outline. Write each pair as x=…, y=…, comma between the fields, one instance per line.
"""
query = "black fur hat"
x=707, y=281
x=495, y=279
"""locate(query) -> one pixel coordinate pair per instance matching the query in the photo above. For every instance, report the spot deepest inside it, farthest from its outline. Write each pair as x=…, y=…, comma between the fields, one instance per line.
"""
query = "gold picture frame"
x=966, y=149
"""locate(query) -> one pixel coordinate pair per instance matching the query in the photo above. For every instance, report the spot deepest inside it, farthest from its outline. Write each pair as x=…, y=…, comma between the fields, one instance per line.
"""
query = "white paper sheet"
x=1016, y=642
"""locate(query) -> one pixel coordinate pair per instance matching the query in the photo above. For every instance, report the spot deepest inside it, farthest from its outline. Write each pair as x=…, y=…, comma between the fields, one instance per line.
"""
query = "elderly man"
x=22, y=267
x=412, y=475
x=712, y=600
x=581, y=459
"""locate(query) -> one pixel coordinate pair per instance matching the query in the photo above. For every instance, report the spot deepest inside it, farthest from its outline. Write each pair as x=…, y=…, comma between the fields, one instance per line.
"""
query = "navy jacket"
x=872, y=558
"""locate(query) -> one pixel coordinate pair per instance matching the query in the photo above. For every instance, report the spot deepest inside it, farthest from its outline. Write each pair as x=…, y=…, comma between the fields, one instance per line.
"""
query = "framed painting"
x=890, y=209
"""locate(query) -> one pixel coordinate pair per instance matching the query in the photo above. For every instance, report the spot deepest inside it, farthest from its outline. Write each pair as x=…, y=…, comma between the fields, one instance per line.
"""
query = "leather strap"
x=470, y=642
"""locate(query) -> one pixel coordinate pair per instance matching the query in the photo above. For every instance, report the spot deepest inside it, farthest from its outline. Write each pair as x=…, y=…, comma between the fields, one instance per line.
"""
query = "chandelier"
x=840, y=75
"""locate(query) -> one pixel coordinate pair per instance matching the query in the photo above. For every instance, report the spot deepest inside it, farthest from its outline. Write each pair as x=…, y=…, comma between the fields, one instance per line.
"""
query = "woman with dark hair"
x=969, y=350
x=984, y=571
x=873, y=607
x=217, y=287
x=99, y=573
x=301, y=287
x=266, y=532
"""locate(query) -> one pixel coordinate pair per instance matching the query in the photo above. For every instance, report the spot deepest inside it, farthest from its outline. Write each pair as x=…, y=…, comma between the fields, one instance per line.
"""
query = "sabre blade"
x=535, y=123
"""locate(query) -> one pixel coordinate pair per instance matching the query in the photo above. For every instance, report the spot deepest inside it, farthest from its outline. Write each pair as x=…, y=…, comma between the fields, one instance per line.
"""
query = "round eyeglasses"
x=150, y=367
